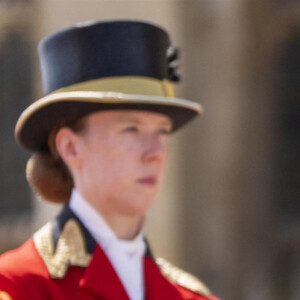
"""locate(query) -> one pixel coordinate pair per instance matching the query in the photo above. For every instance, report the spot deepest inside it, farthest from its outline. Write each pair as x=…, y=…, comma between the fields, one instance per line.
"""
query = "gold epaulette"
x=5, y=296
x=70, y=248
x=182, y=278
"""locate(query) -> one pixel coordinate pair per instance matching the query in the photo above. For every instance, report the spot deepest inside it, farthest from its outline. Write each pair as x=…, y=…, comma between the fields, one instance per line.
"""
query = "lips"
x=148, y=181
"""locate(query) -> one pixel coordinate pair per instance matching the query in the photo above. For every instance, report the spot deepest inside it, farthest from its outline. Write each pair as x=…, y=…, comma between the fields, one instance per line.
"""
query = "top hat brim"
x=35, y=123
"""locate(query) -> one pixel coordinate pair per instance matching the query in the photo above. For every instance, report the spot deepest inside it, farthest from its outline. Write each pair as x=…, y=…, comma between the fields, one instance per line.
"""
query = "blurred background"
x=230, y=209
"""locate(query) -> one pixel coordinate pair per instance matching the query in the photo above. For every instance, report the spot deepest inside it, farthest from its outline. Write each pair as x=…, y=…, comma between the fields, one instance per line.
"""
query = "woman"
x=99, y=139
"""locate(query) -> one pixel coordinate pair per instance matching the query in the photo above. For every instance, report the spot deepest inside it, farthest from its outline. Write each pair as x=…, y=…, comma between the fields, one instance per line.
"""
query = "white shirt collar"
x=100, y=230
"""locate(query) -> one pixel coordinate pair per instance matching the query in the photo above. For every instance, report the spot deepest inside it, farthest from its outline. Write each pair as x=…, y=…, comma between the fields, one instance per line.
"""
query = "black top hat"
x=103, y=65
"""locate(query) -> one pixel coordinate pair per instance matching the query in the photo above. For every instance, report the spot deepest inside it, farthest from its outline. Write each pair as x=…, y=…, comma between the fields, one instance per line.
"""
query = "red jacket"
x=63, y=262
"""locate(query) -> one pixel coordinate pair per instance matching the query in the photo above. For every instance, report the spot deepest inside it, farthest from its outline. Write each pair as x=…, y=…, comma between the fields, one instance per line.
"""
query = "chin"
x=139, y=207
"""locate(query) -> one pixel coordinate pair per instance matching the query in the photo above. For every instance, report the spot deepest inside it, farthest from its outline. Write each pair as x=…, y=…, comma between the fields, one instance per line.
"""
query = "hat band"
x=126, y=84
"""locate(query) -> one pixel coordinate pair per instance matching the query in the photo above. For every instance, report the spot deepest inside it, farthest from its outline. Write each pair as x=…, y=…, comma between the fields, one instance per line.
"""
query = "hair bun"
x=49, y=178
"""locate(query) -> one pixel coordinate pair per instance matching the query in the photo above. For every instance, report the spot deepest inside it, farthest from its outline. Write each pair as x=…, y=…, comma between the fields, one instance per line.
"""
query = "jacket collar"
x=65, y=242
x=59, y=223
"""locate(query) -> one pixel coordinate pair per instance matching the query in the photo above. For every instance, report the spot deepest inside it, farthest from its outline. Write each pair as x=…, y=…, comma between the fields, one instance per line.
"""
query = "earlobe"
x=67, y=146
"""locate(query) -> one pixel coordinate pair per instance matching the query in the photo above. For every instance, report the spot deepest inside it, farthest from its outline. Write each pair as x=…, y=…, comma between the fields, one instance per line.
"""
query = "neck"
x=125, y=228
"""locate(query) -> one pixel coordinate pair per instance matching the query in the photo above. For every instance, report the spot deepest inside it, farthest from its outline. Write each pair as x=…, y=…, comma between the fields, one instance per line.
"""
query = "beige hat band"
x=126, y=85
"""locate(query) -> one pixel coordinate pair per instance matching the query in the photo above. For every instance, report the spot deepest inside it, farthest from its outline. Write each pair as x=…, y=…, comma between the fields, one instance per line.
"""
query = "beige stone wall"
x=17, y=18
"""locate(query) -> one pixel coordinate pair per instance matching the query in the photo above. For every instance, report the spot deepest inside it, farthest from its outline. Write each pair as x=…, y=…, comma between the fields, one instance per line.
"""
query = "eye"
x=165, y=131
x=131, y=129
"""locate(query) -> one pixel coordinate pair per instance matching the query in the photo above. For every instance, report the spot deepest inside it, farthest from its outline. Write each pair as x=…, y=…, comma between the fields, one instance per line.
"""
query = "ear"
x=67, y=145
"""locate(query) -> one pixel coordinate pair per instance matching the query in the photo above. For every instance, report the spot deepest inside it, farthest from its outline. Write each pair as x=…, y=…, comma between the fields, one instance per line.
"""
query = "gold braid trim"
x=124, y=84
x=182, y=278
x=70, y=249
x=5, y=296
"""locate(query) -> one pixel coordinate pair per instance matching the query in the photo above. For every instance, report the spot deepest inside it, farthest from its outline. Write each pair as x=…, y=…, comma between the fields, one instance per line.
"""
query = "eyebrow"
x=134, y=120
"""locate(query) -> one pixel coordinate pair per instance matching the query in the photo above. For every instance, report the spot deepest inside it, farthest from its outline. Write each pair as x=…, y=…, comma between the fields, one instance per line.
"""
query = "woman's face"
x=123, y=156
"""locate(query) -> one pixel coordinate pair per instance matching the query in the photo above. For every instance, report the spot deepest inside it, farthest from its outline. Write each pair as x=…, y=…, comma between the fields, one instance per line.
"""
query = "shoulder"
x=61, y=243
x=189, y=286
x=21, y=260
x=30, y=271
x=19, y=269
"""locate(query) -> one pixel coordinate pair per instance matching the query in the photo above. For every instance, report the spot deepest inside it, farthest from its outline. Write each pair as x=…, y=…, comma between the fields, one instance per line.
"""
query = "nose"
x=154, y=149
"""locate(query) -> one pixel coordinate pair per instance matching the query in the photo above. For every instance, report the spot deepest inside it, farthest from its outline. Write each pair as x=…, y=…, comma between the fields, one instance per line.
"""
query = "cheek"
x=123, y=154
x=111, y=164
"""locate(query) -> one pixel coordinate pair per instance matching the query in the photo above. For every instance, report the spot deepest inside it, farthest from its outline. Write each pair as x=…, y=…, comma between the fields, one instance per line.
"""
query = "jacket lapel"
x=157, y=287
x=105, y=284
